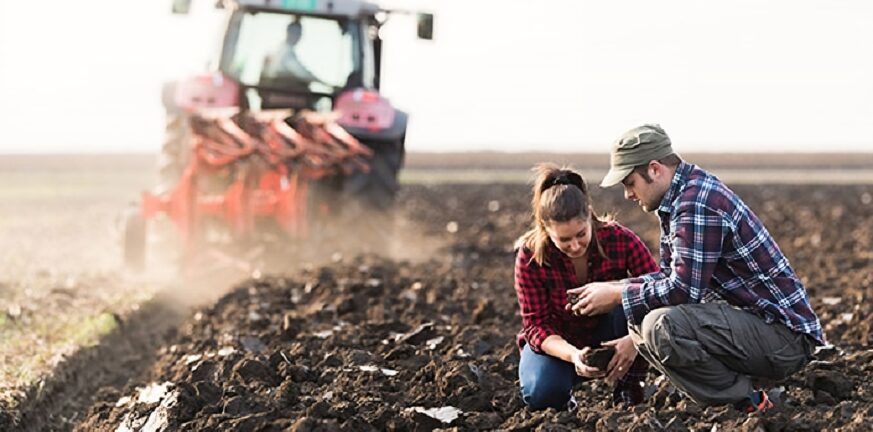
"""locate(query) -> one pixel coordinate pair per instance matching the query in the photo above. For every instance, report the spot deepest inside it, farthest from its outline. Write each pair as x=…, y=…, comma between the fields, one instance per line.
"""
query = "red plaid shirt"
x=542, y=291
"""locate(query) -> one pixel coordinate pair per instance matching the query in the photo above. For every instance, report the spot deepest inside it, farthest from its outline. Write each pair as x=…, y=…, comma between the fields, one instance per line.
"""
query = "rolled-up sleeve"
x=533, y=300
x=696, y=237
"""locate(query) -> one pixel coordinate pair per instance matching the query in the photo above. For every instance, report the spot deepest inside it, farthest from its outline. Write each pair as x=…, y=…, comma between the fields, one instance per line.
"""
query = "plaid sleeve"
x=648, y=277
x=533, y=300
x=696, y=236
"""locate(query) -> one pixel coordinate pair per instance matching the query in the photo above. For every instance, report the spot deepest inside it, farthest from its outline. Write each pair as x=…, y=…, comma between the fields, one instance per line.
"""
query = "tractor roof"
x=320, y=7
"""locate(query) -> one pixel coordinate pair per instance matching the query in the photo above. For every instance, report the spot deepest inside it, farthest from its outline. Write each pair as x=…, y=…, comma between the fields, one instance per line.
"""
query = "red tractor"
x=287, y=131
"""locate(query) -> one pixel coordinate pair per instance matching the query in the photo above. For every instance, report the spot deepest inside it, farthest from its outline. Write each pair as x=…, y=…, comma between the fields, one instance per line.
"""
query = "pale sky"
x=562, y=75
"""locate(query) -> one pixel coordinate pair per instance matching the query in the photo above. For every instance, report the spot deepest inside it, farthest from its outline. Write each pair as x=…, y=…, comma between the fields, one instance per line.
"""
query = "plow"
x=247, y=167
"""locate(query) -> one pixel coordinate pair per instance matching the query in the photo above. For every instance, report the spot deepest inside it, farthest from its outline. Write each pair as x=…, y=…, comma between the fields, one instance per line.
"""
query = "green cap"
x=636, y=147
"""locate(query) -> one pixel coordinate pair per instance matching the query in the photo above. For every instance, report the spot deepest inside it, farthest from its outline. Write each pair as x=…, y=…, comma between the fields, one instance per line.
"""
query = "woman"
x=567, y=247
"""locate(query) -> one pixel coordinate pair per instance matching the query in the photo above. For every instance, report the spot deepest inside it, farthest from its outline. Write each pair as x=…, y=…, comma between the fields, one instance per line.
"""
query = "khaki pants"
x=709, y=351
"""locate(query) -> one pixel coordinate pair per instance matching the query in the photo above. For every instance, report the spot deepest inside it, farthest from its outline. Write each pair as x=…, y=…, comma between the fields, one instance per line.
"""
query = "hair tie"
x=568, y=178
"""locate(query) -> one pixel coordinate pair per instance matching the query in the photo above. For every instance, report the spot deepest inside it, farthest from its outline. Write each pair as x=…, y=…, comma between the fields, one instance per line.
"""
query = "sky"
x=564, y=76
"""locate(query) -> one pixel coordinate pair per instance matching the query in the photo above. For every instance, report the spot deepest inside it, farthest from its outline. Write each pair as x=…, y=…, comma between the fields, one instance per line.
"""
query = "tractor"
x=286, y=131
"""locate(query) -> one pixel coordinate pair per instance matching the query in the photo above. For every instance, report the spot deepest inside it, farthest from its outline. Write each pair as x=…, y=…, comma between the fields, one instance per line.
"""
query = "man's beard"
x=651, y=206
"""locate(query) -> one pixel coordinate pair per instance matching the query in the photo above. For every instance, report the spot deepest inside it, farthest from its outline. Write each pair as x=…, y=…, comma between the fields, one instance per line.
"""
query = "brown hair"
x=559, y=195
x=672, y=160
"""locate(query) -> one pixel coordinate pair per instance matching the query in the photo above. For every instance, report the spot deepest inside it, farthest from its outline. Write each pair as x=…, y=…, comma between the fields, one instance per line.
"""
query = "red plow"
x=248, y=167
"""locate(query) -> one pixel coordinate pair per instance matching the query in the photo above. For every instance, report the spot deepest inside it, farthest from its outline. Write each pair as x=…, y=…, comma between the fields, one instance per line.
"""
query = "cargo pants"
x=710, y=351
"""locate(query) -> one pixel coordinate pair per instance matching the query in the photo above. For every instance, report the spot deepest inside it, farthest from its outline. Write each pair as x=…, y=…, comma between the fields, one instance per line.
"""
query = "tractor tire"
x=134, y=240
x=377, y=189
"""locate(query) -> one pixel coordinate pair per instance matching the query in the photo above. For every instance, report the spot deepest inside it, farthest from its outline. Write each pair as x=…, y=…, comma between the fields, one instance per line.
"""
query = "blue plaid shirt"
x=714, y=247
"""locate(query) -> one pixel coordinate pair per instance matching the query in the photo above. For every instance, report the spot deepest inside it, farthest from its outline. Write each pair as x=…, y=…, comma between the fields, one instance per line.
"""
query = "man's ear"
x=654, y=169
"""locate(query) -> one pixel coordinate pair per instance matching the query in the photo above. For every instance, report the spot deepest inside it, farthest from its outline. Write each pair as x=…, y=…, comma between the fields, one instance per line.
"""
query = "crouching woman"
x=569, y=246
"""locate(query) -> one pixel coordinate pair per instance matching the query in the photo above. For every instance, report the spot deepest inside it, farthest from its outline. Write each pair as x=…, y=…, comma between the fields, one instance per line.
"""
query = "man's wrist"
x=617, y=293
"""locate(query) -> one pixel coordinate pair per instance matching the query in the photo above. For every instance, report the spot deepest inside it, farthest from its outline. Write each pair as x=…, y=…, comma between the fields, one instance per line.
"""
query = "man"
x=725, y=305
x=285, y=66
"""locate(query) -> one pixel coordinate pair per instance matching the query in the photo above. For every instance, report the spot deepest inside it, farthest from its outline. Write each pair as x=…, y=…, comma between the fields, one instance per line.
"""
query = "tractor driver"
x=283, y=68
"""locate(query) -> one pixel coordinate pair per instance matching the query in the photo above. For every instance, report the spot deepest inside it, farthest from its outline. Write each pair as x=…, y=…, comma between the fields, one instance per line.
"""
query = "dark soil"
x=600, y=357
x=60, y=400
x=358, y=344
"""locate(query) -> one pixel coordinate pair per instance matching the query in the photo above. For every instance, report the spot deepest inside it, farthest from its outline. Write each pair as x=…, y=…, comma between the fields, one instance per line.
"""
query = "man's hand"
x=596, y=298
x=625, y=353
x=583, y=369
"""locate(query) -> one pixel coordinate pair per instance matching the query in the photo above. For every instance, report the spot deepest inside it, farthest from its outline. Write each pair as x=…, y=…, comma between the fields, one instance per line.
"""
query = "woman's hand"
x=625, y=354
x=583, y=369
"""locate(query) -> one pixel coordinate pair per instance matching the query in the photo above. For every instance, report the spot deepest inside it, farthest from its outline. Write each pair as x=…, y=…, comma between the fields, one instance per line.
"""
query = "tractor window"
x=301, y=53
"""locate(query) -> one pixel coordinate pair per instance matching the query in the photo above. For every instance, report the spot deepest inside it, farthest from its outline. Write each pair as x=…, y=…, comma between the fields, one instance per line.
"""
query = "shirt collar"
x=676, y=186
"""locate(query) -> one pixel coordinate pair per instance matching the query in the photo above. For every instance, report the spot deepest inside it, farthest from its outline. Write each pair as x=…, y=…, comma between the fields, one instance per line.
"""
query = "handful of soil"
x=572, y=299
x=599, y=358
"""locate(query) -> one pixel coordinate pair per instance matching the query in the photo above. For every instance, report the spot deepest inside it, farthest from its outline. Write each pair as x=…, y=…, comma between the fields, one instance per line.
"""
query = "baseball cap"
x=636, y=147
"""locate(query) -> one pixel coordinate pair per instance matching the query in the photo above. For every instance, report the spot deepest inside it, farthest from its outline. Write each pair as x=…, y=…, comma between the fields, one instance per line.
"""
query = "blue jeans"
x=547, y=381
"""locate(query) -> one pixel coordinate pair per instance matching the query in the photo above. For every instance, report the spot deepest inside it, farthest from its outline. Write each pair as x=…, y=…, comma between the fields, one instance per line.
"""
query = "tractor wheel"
x=134, y=240
x=377, y=189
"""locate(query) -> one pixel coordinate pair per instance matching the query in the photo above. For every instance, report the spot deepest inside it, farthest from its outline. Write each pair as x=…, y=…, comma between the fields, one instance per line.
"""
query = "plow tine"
x=233, y=130
x=347, y=139
x=222, y=141
x=289, y=134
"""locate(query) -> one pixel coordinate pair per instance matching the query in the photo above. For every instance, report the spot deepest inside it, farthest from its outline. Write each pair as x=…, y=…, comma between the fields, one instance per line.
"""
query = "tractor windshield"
x=295, y=53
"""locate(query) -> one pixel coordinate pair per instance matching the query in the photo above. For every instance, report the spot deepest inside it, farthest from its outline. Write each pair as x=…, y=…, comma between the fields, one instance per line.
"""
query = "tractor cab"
x=289, y=59
x=298, y=54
